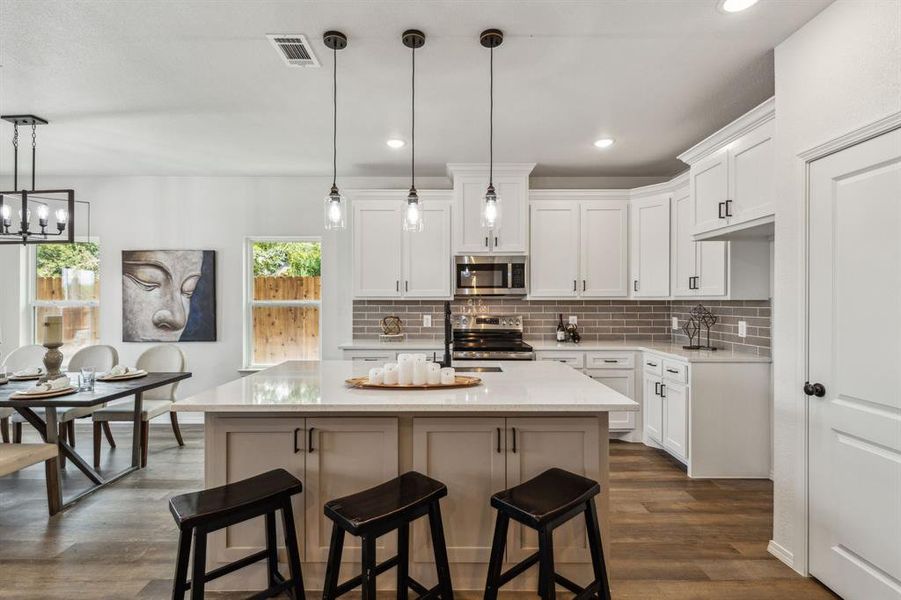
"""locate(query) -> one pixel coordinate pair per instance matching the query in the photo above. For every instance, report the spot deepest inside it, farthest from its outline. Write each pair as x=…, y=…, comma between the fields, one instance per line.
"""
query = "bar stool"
x=372, y=513
x=544, y=503
x=200, y=513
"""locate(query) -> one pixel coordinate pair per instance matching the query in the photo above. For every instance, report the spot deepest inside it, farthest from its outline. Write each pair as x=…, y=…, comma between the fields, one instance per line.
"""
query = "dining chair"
x=101, y=358
x=23, y=357
x=165, y=358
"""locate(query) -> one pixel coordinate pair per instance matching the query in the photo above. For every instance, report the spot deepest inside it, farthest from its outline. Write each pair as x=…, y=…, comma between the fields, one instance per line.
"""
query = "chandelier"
x=19, y=207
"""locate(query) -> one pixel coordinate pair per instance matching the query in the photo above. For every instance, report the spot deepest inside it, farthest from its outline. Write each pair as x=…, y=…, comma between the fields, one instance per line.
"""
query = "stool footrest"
x=572, y=586
x=231, y=567
x=423, y=591
x=517, y=570
x=353, y=582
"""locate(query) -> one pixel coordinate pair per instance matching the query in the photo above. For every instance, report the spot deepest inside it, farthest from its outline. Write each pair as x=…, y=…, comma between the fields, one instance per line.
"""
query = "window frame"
x=33, y=304
x=250, y=303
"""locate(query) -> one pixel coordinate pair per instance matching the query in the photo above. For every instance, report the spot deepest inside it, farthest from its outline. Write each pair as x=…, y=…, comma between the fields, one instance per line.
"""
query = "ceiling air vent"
x=294, y=49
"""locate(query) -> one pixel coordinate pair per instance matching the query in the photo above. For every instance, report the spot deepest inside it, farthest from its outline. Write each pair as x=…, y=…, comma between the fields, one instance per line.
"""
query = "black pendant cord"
x=413, y=121
x=491, y=121
x=334, y=116
x=34, y=152
x=15, y=157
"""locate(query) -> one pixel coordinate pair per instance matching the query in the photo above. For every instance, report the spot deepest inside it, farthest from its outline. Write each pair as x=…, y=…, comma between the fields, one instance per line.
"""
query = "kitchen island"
x=302, y=417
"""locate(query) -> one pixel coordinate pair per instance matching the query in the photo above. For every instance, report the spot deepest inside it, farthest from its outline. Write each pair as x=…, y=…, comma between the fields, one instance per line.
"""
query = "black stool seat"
x=210, y=505
x=370, y=509
x=545, y=497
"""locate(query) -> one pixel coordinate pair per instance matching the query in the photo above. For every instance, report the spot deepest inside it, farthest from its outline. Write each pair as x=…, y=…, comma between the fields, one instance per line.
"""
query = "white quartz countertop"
x=671, y=350
x=319, y=387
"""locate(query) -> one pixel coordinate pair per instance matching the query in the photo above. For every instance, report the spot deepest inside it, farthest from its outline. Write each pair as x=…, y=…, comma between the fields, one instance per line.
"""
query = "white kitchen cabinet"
x=254, y=446
x=344, y=455
x=623, y=381
x=469, y=455
x=604, y=249
x=751, y=175
x=675, y=418
x=573, y=358
x=710, y=190
x=650, y=241
x=652, y=407
x=511, y=181
x=554, y=257
x=376, y=357
x=699, y=268
x=535, y=445
x=392, y=263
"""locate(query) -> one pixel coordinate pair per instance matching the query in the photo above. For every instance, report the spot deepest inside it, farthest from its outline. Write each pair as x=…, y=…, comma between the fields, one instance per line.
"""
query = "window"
x=66, y=282
x=284, y=295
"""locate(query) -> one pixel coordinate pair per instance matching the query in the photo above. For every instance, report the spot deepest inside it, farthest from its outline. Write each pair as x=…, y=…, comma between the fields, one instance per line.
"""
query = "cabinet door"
x=711, y=271
x=650, y=247
x=684, y=248
x=554, y=259
x=248, y=447
x=623, y=381
x=605, y=249
x=427, y=255
x=709, y=184
x=344, y=456
x=751, y=174
x=543, y=443
x=653, y=408
x=469, y=197
x=511, y=237
x=467, y=454
x=675, y=420
x=377, y=249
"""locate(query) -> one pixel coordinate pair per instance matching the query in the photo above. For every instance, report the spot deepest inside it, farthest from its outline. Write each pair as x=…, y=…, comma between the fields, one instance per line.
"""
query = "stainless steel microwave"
x=491, y=275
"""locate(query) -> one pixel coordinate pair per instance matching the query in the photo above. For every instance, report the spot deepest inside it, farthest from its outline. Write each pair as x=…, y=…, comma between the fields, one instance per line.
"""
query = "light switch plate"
x=675, y=324
x=426, y=320
x=573, y=320
x=742, y=329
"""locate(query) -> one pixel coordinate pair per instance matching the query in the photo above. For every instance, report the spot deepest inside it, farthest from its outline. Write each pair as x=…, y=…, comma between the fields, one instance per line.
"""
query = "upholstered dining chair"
x=166, y=358
x=23, y=357
x=101, y=358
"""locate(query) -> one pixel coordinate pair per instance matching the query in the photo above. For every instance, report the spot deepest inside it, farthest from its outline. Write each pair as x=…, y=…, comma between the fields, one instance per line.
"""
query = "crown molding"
x=763, y=112
x=521, y=169
x=861, y=134
x=660, y=188
x=578, y=194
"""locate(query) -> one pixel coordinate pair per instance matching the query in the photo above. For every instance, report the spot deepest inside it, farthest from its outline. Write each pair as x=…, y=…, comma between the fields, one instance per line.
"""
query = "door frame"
x=798, y=559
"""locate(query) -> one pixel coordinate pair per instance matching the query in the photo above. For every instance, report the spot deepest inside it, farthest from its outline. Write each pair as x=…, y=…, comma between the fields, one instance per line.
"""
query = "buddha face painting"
x=168, y=296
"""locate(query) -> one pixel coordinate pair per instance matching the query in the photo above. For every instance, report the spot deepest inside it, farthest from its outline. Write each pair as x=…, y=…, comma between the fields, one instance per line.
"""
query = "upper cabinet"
x=650, y=234
x=470, y=183
x=392, y=263
x=579, y=244
x=731, y=178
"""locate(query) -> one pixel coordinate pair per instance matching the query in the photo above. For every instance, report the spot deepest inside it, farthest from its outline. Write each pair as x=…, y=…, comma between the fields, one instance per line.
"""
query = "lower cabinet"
x=666, y=397
x=623, y=381
x=675, y=419
x=653, y=408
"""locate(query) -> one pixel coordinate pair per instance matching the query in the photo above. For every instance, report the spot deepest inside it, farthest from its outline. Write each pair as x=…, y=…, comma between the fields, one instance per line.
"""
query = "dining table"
x=41, y=413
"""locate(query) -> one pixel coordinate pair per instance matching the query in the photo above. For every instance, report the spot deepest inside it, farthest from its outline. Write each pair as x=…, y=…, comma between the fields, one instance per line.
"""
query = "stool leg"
x=403, y=560
x=497, y=556
x=368, y=583
x=546, y=563
x=296, y=591
x=597, y=550
x=440, y=548
x=333, y=567
x=199, y=571
x=181, y=564
x=271, y=549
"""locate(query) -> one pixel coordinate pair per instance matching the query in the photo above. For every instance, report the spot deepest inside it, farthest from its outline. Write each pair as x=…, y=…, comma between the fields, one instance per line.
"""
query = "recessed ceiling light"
x=396, y=143
x=604, y=142
x=733, y=6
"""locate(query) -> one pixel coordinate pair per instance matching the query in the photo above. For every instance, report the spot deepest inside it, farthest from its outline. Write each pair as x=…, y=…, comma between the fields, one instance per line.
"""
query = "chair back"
x=25, y=357
x=102, y=358
x=165, y=358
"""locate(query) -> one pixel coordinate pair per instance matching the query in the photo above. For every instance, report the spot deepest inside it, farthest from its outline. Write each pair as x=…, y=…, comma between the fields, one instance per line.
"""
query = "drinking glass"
x=87, y=379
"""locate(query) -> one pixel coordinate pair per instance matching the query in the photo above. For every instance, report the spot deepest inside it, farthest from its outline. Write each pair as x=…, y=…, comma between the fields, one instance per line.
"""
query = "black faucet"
x=448, y=336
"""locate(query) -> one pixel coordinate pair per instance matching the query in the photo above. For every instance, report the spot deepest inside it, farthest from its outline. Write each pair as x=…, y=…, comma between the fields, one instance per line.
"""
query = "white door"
x=512, y=234
x=675, y=419
x=377, y=249
x=751, y=175
x=543, y=443
x=605, y=249
x=650, y=247
x=684, y=248
x=344, y=456
x=554, y=259
x=468, y=455
x=623, y=381
x=709, y=184
x=653, y=408
x=854, y=352
x=427, y=255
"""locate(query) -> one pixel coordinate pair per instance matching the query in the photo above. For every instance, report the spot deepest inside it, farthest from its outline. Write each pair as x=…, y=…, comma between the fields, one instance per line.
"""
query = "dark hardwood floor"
x=673, y=538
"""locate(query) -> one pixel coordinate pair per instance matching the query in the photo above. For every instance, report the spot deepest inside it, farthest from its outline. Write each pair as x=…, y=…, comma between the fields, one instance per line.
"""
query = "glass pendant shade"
x=491, y=210
x=412, y=212
x=335, y=210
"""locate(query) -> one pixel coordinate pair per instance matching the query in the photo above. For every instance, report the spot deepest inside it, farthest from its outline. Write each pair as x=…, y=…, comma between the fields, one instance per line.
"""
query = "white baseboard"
x=781, y=553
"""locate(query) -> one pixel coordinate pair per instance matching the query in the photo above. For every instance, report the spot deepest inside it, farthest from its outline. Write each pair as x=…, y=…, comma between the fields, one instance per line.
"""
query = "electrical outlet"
x=426, y=320
x=675, y=324
x=742, y=329
x=573, y=320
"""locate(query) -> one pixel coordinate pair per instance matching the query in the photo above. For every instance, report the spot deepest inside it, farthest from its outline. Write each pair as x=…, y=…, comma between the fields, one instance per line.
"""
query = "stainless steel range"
x=489, y=337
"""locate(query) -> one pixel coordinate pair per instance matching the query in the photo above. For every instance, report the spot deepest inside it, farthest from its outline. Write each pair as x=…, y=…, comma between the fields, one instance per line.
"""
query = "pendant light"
x=413, y=39
x=335, y=203
x=491, y=211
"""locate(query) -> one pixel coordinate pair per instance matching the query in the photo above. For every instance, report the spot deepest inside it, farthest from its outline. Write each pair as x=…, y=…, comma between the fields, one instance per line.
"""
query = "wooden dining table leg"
x=52, y=466
x=136, y=433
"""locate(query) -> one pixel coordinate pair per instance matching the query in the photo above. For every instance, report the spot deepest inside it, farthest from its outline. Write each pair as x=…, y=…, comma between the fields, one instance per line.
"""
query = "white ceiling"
x=194, y=87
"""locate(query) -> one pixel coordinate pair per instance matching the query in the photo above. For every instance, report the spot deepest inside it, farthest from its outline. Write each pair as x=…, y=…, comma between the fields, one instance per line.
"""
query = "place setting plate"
x=25, y=377
x=19, y=394
x=460, y=381
x=127, y=376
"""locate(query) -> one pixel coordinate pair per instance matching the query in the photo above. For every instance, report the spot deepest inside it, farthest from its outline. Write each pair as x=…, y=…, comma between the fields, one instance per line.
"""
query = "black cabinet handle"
x=486, y=241
x=514, y=439
x=728, y=212
x=656, y=388
x=690, y=280
x=610, y=360
x=499, y=440
x=397, y=285
x=635, y=286
x=495, y=241
x=296, y=447
x=650, y=364
x=574, y=285
x=583, y=285
x=406, y=286
x=310, y=439
x=672, y=371
x=719, y=211
x=663, y=390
